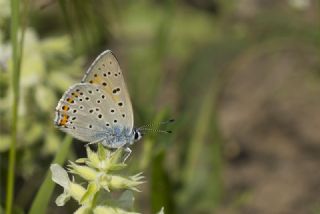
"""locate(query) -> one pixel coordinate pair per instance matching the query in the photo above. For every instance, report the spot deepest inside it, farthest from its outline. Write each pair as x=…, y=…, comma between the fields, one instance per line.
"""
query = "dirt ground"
x=269, y=111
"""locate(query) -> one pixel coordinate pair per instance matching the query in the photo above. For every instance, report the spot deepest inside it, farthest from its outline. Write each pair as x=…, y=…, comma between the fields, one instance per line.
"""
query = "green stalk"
x=40, y=203
x=16, y=59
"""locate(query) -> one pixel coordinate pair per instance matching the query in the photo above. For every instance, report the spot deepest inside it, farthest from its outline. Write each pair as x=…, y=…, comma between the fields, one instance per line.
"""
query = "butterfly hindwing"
x=87, y=113
x=105, y=72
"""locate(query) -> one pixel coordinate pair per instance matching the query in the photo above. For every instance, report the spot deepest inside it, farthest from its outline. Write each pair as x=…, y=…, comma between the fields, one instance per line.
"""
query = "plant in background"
x=99, y=170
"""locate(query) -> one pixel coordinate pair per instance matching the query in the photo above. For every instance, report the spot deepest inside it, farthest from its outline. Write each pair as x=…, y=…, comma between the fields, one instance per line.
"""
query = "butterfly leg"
x=128, y=151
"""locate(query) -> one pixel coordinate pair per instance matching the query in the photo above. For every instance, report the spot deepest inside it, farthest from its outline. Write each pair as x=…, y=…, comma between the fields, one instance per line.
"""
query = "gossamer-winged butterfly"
x=99, y=108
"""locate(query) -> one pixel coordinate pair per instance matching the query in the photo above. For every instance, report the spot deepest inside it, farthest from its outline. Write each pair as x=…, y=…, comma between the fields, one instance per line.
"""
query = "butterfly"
x=99, y=109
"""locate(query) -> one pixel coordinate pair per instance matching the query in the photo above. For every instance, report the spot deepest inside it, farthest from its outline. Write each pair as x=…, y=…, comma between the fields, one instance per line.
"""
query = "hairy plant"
x=100, y=184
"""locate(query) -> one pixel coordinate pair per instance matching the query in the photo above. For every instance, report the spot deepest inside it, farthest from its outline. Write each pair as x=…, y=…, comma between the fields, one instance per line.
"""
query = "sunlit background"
x=241, y=79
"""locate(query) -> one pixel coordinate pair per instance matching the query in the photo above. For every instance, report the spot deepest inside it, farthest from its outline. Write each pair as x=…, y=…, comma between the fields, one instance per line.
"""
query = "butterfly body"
x=118, y=137
x=99, y=108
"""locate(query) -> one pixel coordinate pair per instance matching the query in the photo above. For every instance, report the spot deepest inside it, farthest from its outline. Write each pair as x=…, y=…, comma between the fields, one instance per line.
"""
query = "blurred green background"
x=241, y=78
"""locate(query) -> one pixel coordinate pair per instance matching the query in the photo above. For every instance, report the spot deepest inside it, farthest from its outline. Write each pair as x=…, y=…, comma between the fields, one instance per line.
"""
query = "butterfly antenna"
x=157, y=124
x=155, y=130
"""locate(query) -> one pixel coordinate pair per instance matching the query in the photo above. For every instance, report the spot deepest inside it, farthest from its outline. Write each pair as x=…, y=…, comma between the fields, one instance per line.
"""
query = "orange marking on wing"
x=114, y=98
x=107, y=88
x=64, y=120
x=97, y=80
x=65, y=108
x=74, y=94
x=69, y=100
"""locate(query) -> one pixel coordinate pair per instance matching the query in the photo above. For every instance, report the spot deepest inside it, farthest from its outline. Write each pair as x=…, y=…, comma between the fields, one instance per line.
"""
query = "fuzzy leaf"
x=60, y=176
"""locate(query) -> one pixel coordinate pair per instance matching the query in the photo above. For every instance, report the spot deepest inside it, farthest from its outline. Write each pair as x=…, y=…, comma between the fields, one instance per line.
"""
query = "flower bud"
x=119, y=182
x=84, y=171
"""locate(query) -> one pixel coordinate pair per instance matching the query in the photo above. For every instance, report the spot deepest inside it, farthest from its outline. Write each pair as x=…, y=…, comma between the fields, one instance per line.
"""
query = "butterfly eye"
x=137, y=135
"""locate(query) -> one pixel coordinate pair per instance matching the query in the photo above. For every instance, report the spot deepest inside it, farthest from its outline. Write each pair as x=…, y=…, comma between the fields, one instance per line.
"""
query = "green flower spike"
x=98, y=170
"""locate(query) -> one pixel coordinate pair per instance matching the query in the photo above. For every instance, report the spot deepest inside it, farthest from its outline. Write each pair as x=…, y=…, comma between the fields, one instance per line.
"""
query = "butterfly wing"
x=87, y=113
x=106, y=73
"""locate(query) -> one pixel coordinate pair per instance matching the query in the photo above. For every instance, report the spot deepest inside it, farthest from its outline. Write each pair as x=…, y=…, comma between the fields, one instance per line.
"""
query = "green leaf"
x=101, y=152
x=43, y=196
x=91, y=191
x=161, y=186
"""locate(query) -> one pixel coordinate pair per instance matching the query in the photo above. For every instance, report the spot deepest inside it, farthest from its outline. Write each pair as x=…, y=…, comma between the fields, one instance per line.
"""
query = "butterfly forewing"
x=105, y=72
x=87, y=112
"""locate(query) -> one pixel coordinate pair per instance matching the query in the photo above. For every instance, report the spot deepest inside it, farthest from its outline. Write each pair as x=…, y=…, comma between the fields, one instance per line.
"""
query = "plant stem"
x=16, y=58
